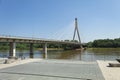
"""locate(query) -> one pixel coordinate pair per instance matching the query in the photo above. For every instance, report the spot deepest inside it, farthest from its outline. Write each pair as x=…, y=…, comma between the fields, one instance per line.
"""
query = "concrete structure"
x=31, y=50
x=51, y=70
x=45, y=50
x=12, y=50
x=13, y=40
x=109, y=73
x=76, y=30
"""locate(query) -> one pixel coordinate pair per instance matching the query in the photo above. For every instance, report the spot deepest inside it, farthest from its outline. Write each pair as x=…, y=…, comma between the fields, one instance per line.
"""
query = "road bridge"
x=13, y=40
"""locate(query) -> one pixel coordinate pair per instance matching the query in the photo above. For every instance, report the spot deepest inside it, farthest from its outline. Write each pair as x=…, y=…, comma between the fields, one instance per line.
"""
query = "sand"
x=109, y=73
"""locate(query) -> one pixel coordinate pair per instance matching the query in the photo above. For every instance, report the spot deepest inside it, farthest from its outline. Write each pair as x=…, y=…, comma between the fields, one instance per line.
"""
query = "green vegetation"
x=22, y=46
x=25, y=46
x=4, y=46
x=100, y=43
x=105, y=43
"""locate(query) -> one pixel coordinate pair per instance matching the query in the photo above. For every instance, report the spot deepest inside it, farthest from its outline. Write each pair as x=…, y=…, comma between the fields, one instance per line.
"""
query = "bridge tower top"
x=77, y=30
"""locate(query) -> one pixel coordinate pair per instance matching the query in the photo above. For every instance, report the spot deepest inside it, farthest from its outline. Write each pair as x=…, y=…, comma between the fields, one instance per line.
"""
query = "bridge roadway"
x=33, y=40
x=12, y=40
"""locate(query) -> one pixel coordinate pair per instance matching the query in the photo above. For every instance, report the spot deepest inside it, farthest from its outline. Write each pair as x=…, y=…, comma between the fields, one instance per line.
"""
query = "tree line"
x=105, y=43
x=100, y=43
x=25, y=46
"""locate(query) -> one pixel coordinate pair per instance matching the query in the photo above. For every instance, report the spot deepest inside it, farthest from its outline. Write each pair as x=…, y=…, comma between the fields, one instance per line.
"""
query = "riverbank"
x=36, y=69
x=103, y=48
x=16, y=62
x=55, y=68
x=50, y=49
x=109, y=73
x=34, y=49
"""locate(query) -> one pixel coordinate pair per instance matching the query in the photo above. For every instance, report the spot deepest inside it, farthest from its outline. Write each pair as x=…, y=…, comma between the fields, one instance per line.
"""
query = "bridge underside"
x=13, y=40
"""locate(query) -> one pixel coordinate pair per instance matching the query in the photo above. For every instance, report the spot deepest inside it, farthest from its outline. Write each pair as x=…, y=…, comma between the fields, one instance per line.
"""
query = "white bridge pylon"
x=76, y=30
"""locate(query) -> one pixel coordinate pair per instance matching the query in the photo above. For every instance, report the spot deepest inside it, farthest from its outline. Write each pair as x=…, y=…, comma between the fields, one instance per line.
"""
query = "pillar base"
x=12, y=50
x=31, y=55
x=31, y=51
x=45, y=50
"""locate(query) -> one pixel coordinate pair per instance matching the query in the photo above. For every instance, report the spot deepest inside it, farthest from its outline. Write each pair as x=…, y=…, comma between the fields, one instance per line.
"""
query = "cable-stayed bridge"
x=12, y=40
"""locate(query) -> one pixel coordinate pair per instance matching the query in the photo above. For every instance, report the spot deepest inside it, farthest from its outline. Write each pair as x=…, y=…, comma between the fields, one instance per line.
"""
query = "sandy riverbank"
x=109, y=73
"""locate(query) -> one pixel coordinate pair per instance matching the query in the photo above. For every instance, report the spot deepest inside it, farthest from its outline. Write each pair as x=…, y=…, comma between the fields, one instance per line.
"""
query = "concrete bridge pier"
x=45, y=50
x=12, y=49
x=31, y=50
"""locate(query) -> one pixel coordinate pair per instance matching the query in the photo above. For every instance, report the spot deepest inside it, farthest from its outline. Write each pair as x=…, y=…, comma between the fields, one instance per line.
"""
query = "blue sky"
x=54, y=19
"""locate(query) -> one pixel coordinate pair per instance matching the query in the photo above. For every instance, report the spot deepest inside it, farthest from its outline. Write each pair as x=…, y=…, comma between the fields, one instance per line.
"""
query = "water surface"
x=86, y=55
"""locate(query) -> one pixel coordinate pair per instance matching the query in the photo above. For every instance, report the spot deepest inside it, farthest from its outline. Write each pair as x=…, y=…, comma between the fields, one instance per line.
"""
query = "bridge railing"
x=33, y=38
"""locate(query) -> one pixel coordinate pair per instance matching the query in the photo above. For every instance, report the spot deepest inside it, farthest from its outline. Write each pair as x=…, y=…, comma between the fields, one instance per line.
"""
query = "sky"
x=54, y=19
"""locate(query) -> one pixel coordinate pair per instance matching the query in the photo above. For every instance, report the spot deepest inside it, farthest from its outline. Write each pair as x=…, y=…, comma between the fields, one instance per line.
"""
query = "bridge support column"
x=31, y=50
x=12, y=50
x=45, y=50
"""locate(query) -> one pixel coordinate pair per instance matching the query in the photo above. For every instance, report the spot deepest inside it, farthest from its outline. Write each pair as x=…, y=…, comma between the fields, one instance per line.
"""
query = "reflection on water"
x=87, y=55
x=72, y=54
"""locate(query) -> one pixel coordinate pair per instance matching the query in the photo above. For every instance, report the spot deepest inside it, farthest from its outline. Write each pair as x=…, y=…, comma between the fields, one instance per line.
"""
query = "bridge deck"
x=33, y=40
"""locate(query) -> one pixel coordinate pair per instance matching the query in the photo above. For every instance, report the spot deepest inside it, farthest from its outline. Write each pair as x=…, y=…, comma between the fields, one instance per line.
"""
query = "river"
x=86, y=55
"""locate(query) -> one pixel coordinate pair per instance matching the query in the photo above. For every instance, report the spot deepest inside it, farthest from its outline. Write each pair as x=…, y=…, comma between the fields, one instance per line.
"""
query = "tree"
x=105, y=43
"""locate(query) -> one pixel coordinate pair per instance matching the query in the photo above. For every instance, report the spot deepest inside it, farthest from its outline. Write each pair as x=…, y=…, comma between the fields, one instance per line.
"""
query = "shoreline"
x=36, y=49
x=50, y=49
x=18, y=62
x=109, y=73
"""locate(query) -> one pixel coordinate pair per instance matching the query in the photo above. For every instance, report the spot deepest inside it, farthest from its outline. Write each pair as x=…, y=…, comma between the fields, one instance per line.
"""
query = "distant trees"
x=25, y=46
x=22, y=46
x=100, y=43
x=4, y=46
x=105, y=43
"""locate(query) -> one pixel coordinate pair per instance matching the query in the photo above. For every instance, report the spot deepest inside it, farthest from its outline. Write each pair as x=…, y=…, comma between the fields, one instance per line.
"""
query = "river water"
x=86, y=55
